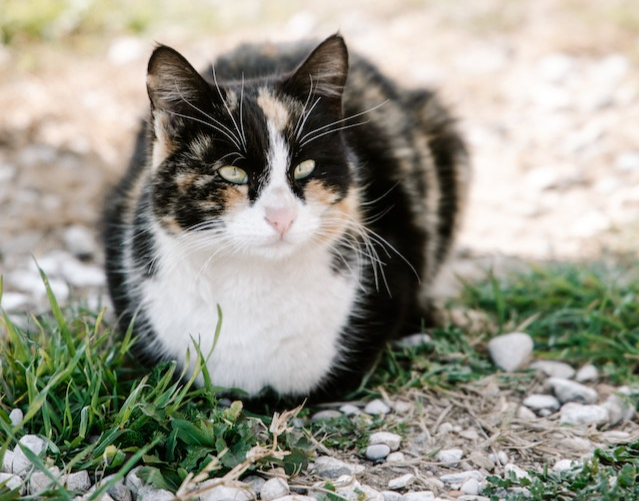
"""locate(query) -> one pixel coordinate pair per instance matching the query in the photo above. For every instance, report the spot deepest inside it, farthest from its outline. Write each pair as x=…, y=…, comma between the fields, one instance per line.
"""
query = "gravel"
x=511, y=352
x=571, y=391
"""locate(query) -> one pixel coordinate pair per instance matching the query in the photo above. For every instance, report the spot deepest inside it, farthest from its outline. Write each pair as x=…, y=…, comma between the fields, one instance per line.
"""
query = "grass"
x=79, y=390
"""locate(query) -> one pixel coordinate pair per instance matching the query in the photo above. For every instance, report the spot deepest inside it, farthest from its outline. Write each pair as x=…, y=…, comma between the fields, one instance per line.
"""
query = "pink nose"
x=281, y=218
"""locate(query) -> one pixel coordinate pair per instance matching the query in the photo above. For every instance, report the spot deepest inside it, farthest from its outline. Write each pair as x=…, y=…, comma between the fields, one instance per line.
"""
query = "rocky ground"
x=547, y=95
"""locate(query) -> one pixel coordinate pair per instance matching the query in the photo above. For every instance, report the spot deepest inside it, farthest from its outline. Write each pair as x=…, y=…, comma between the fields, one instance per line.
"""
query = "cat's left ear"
x=323, y=73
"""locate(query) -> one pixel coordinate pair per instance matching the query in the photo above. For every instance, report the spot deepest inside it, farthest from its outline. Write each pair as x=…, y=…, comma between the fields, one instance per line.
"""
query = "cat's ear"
x=177, y=93
x=323, y=73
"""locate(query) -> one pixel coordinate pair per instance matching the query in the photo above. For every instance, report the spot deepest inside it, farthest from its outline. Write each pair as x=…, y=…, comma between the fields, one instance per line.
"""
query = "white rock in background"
x=13, y=482
x=254, y=482
x=274, y=488
x=628, y=161
x=392, y=440
x=20, y=462
x=7, y=462
x=419, y=496
x=355, y=491
x=377, y=451
x=376, y=407
x=413, y=341
x=563, y=465
x=350, y=410
x=471, y=486
x=222, y=493
x=79, y=274
x=395, y=457
x=126, y=50
x=12, y=301
x=150, y=493
x=16, y=416
x=391, y=496
x=79, y=241
x=80, y=482
x=326, y=414
x=571, y=391
x=537, y=402
x=40, y=481
x=461, y=477
x=511, y=352
x=578, y=414
x=133, y=482
x=297, y=497
x=618, y=407
x=499, y=458
x=525, y=414
x=401, y=482
x=587, y=373
x=445, y=428
x=553, y=368
x=328, y=467
x=451, y=457
x=517, y=471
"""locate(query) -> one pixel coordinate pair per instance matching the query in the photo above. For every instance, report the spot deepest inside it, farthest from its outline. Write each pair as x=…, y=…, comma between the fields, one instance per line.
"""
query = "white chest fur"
x=281, y=319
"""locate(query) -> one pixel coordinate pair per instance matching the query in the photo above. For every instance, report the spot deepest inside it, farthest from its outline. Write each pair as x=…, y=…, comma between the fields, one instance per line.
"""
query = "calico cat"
x=300, y=190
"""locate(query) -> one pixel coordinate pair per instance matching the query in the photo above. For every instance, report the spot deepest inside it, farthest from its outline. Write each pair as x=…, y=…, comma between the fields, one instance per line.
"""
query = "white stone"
x=118, y=491
x=570, y=391
x=587, y=373
x=20, y=462
x=40, y=481
x=450, y=457
x=577, y=444
x=377, y=451
x=150, y=493
x=413, y=341
x=133, y=482
x=274, y=488
x=16, y=416
x=525, y=414
x=392, y=440
x=7, y=462
x=618, y=408
x=419, y=496
x=445, y=428
x=628, y=161
x=553, y=368
x=471, y=486
x=578, y=414
x=538, y=402
x=12, y=301
x=615, y=436
x=516, y=470
x=79, y=274
x=563, y=465
x=499, y=458
x=225, y=493
x=355, y=491
x=376, y=407
x=326, y=414
x=434, y=482
x=391, y=496
x=461, y=477
x=328, y=467
x=125, y=50
x=401, y=482
x=254, y=482
x=79, y=241
x=511, y=352
x=395, y=457
x=469, y=434
x=79, y=481
x=350, y=410
x=297, y=497
x=13, y=482
x=402, y=406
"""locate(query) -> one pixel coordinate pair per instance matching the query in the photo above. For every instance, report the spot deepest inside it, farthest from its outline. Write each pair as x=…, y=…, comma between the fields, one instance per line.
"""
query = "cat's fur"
x=313, y=275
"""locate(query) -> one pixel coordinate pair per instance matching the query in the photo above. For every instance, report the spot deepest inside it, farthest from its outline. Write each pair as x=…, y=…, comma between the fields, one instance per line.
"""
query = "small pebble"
x=419, y=496
x=150, y=493
x=274, y=488
x=525, y=414
x=516, y=470
x=587, y=373
x=377, y=451
x=133, y=482
x=81, y=482
x=552, y=368
x=570, y=391
x=413, y=341
x=79, y=241
x=395, y=457
x=7, y=462
x=40, y=481
x=445, y=428
x=562, y=465
x=451, y=457
x=20, y=461
x=578, y=414
x=392, y=440
x=391, y=496
x=402, y=406
x=350, y=410
x=328, y=467
x=619, y=409
x=511, y=352
x=254, y=482
x=326, y=414
x=16, y=416
x=297, y=497
x=402, y=482
x=461, y=477
x=538, y=402
x=469, y=434
x=13, y=482
x=376, y=407
x=222, y=493
x=471, y=486
x=499, y=458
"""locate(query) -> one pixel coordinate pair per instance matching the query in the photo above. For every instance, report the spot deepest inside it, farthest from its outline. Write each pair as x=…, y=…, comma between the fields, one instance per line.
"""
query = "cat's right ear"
x=177, y=93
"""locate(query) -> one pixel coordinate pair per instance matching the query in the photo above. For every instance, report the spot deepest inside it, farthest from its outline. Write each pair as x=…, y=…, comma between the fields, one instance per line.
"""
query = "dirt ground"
x=546, y=93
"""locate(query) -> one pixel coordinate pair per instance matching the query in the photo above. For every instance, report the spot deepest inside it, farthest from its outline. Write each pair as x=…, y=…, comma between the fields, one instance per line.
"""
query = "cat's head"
x=258, y=166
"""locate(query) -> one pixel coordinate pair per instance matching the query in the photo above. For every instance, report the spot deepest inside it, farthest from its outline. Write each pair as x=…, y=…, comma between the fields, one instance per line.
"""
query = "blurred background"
x=546, y=93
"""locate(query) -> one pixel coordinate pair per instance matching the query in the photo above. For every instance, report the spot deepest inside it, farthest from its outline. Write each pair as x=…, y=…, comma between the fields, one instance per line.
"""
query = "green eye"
x=304, y=169
x=233, y=174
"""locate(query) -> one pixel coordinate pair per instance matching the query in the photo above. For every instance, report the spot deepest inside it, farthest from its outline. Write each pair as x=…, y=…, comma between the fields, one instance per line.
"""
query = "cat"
x=304, y=193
